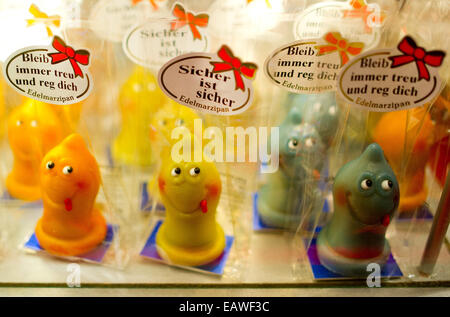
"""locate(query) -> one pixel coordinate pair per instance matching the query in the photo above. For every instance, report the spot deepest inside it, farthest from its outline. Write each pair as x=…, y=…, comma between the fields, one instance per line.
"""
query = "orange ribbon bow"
x=68, y=53
x=233, y=63
x=152, y=2
x=267, y=3
x=43, y=18
x=341, y=45
x=360, y=9
x=200, y=20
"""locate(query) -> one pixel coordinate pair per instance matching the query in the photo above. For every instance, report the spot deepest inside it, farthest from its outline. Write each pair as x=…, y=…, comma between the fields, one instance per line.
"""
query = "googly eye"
x=179, y=122
x=310, y=142
x=293, y=143
x=194, y=171
x=137, y=87
x=34, y=123
x=332, y=110
x=387, y=185
x=50, y=165
x=67, y=170
x=366, y=184
x=19, y=123
x=176, y=171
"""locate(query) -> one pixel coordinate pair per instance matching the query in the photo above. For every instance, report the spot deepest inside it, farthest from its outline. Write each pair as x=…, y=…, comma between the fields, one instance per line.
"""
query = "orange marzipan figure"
x=389, y=133
x=70, y=180
x=33, y=129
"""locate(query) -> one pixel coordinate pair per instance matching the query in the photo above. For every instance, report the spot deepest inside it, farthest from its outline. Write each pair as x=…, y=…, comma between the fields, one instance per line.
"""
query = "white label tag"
x=310, y=66
x=54, y=74
x=111, y=19
x=256, y=17
x=153, y=43
x=356, y=25
x=212, y=83
x=392, y=79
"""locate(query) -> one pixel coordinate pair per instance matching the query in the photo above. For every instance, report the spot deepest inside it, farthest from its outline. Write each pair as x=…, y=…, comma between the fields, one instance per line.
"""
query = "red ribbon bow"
x=68, y=53
x=200, y=20
x=341, y=45
x=233, y=63
x=412, y=53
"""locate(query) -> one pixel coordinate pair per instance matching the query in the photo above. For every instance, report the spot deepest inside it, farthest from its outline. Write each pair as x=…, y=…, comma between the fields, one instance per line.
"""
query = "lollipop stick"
x=438, y=231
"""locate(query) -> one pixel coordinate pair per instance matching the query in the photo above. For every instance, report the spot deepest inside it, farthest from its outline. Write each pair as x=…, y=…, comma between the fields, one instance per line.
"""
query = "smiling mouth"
x=384, y=221
x=68, y=204
x=201, y=208
x=350, y=208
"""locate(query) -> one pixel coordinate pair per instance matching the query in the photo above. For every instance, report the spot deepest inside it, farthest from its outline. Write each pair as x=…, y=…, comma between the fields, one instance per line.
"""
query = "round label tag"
x=54, y=74
x=111, y=19
x=355, y=24
x=212, y=83
x=310, y=66
x=153, y=43
x=392, y=79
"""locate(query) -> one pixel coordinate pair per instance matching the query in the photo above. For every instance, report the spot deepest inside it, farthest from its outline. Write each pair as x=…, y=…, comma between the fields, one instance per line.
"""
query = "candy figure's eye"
x=137, y=87
x=194, y=171
x=366, y=184
x=332, y=110
x=50, y=165
x=67, y=170
x=387, y=185
x=34, y=123
x=19, y=123
x=176, y=171
x=310, y=142
x=163, y=122
x=293, y=144
x=179, y=122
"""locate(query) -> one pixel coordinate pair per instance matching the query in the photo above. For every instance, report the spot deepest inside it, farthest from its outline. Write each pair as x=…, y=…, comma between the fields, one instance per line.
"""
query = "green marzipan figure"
x=301, y=156
x=366, y=195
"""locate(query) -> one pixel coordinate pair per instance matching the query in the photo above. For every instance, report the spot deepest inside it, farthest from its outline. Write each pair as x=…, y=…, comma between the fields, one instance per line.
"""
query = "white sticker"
x=310, y=66
x=153, y=43
x=55, y=74
x=111, y=19
x=213, y=83
x=256, y=17
x=392, y=79
x=355, y=20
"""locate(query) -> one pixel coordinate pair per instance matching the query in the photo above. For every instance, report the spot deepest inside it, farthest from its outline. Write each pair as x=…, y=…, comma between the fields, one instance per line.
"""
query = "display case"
x=264, y=147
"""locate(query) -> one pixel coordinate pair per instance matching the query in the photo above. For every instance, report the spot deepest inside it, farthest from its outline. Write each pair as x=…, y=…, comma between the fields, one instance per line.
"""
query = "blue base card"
x=24, y=204
x=423, y=212
x=216, y=267
x=96, y=255
x=147, y=201
x=258, y=223
x=390, y=269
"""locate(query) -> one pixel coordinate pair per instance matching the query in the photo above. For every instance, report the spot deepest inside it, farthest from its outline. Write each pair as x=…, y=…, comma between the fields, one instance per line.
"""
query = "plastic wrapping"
x=406, y=138
x=34, y=128
x=273, y=167
x=420, y=146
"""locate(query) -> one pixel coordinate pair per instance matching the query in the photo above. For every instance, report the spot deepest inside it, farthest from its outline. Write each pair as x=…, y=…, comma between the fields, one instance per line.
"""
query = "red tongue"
x=68, y=204
x=204, y=206
x=386, y=220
